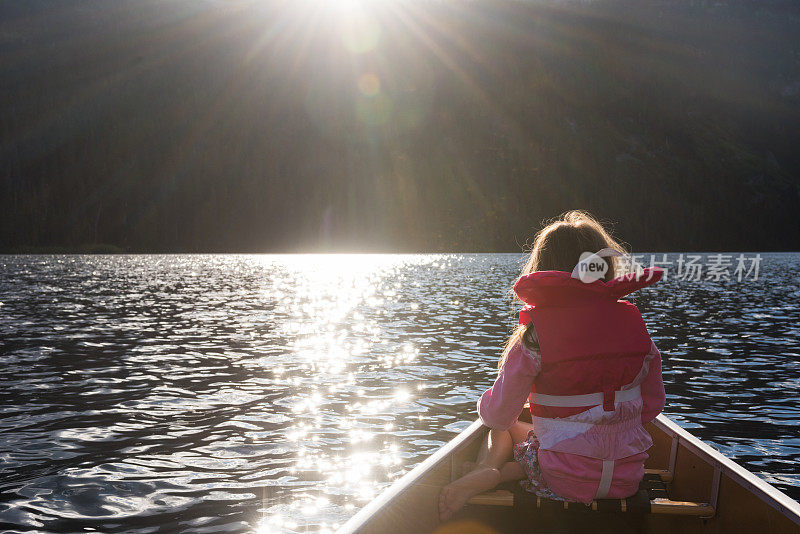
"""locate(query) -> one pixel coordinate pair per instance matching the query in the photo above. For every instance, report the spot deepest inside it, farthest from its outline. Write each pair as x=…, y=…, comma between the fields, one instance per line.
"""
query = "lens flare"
x=369, y=84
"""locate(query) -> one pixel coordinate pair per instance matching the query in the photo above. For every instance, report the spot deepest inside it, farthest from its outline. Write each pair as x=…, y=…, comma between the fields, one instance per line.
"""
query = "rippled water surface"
x=209, y=393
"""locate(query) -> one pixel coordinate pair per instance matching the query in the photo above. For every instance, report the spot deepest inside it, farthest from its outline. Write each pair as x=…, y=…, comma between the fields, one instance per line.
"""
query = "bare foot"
x=457, y=493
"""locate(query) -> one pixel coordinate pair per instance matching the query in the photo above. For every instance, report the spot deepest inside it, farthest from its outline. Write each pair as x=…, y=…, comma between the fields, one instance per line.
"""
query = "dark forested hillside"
x=186, y=125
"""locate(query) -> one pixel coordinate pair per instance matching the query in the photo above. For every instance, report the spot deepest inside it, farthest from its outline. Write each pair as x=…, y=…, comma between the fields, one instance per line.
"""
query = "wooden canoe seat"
x=652, y=498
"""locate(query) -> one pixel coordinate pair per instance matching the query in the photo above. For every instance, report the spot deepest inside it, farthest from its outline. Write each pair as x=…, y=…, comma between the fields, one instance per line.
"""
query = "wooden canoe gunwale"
x=761, y=488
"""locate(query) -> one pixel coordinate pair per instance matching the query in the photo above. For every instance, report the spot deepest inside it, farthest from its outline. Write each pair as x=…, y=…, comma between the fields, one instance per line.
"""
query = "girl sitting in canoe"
x=585, y=362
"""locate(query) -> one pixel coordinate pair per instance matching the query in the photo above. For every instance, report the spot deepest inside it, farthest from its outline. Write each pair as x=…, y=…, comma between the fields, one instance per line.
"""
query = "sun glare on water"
x=340, y=423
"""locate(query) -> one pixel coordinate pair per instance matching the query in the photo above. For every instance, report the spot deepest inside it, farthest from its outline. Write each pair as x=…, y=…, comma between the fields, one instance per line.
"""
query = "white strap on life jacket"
x=605, y=479
x=589, y=399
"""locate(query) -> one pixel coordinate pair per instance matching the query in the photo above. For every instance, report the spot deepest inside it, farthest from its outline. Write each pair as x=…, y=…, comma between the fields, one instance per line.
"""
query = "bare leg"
x=511, y=471
x=467, y=467
x=518, y=434
x=492, y=467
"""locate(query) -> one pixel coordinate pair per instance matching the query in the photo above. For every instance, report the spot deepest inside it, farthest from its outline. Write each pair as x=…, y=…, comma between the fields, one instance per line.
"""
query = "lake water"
x=210, y=393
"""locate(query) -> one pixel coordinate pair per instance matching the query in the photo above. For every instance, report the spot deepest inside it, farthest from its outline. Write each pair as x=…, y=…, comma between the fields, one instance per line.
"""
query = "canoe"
x=708, y=493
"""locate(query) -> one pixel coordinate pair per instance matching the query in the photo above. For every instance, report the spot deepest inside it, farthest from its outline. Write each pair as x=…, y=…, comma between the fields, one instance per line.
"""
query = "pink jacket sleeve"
x=499, y=407
x=653, y=396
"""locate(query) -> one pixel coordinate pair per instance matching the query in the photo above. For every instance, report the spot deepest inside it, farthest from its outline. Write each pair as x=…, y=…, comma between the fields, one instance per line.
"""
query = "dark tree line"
x=423, y=125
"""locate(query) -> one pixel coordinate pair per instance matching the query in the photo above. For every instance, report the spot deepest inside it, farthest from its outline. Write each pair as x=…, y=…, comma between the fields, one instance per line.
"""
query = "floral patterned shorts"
x=527, y=454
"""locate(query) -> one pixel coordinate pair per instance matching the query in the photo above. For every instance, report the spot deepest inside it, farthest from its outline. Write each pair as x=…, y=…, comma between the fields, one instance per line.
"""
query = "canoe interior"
x=744, y=503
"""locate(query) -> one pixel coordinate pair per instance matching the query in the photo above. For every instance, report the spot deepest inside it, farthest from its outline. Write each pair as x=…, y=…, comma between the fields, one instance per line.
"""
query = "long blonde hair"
x=558, y=247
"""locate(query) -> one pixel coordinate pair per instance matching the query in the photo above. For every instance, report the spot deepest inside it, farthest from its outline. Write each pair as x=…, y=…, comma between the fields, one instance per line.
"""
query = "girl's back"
x=599, y=380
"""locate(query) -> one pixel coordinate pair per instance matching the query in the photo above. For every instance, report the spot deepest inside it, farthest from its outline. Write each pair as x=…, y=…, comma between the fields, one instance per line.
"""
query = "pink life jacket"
x=593, y=350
